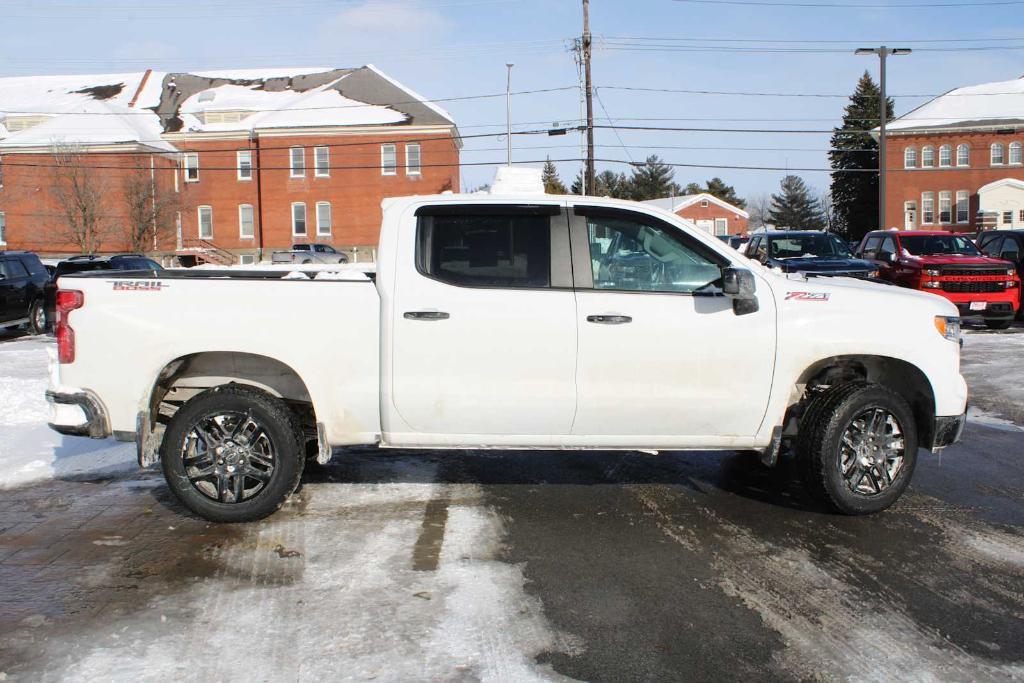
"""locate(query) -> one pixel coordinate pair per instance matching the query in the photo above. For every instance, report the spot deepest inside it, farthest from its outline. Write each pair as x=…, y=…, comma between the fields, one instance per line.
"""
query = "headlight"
x=933, y=272
x=873, y=273
x=1010, y=271
x=948, y=326
x=932, y=284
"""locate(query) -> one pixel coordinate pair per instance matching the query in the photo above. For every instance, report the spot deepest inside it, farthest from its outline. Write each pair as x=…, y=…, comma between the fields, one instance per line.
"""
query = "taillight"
x=67, y=301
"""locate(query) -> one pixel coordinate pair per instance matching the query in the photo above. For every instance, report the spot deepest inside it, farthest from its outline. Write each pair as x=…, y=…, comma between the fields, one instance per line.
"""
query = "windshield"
x=813, y=244
x=927, y=245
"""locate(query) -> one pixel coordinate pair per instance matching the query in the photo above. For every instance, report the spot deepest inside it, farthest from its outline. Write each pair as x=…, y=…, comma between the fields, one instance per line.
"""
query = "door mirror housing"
x=886, y=256
x=739, y=285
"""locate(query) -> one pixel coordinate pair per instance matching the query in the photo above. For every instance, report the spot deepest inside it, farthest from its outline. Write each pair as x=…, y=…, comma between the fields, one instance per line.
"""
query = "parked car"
x=309, y=253
x=494, y=322
x=949, y=265
x=23, y=280
x=1006, y=245
x=808, y=251
x=737, y=242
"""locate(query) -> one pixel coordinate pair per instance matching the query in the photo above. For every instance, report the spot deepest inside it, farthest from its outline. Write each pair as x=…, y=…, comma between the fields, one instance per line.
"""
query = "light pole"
x=508, y=111
x=882, y=53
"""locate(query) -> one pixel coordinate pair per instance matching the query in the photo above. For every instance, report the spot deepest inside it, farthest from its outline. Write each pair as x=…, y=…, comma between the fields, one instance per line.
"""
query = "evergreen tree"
x=795, y=208
x=607, y=184
x=653, y=180
x=552, y=183
x=855, y=193
x=727, y=193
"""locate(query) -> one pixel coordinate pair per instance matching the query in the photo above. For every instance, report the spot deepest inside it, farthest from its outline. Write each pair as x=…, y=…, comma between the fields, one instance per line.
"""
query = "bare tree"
x=150, y=208
x=78, y=192
x=827, y=207
x=759, y=206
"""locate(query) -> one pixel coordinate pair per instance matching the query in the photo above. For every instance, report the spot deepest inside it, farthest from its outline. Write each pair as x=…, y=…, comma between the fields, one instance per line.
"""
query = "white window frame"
x=946, y=197
x=910, y=157
x=721, y=226
x=247, y=259
x=945, y=156
x=3, y=228
x=305, y=220
x=963, y=197
x=927, y=157
x=409, y=168
x=386, y=169
x=927, y=207
x=326, y=172
x=997, y=146
x=1016, y=149
x=187, y=158
x=296, y=170
x=239, y=155
x=241, y=223
x=966, y=149
x=703, y=203
x=199, y=227
x=1007, y=217
x=320, y=232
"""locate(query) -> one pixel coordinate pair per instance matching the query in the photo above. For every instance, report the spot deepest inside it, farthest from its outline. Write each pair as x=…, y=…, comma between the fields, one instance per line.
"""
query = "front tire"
x=233, y=454
x=857, y=447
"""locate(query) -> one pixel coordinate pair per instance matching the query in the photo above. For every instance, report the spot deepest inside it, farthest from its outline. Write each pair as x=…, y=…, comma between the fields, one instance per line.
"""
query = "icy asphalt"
x=503, y=566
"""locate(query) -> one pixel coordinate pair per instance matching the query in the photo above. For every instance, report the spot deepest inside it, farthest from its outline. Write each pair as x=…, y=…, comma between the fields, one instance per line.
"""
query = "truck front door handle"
x=426, y=315
x=609, y=319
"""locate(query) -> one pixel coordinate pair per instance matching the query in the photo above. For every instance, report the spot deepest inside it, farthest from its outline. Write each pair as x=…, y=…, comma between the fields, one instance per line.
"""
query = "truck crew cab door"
x=663, y=359
x=483, y=336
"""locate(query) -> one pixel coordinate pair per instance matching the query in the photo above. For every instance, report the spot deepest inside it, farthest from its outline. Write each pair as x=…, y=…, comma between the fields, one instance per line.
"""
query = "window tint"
x=888, y=247
x=923, y=245
x=486, y=250
x=68, y=267
x=33, y=264
x=809, y=244
x=871, y=246
x=12, y=268
x=632, y=255
x=1010, y=250
x=992, y=245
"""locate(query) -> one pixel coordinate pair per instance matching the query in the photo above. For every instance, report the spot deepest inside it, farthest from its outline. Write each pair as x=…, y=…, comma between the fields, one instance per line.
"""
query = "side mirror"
x=739, y=285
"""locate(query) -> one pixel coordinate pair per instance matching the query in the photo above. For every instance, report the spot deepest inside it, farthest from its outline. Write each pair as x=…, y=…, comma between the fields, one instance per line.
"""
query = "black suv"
x=808, y=251
x=23, y=280
x=1007, y=245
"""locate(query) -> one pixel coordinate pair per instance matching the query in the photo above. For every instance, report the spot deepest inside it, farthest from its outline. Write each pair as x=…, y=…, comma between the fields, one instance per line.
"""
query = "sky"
x=459, y=48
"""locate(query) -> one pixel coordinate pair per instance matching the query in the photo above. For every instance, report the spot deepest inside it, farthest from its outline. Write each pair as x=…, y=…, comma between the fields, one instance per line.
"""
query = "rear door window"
x=12, y=268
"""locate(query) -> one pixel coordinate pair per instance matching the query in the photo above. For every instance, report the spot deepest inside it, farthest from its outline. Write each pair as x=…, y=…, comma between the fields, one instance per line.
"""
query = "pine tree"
x=727, y=193
x=552, y=183
x=855, y=193
x=607, y=184
x=795, y=207
x=653, y=180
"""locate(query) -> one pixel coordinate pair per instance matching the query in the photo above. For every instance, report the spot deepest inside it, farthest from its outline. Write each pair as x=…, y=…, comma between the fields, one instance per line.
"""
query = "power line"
x=804, y=41
x=748, y=93
x=627, y=47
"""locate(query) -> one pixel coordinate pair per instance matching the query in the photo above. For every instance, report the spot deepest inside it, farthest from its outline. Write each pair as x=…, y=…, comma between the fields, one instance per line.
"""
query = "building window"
x=928, y=157
x=1007, y=217
x=247, y=259
x=703, y=203
x=928, y=207
x=412, y=159
x=2, y=220
x=721, y=226
x=997, y=154
x=388, y=160
x=206, y=222
x=945, y=156
x=945, y=207
x=322, y=162
x=246, y=225
x=910, y=157
x=244, y=157
x=192, y=167
x=323, y=219
x=1016, y=153
x=298, y=162
x=962, y=207
x=963, y=155
x=298, y=219
x=3, y=228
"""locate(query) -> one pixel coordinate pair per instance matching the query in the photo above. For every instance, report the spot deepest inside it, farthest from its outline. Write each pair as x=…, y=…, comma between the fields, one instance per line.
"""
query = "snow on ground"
x=993, y=364
x=29, y=450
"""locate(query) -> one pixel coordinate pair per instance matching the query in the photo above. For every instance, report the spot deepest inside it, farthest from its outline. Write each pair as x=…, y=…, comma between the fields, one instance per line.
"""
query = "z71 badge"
x=138, y=285
x=807, y=296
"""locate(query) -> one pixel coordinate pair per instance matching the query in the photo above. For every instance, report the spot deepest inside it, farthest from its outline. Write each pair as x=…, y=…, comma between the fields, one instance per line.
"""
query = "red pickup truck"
x=950, y=265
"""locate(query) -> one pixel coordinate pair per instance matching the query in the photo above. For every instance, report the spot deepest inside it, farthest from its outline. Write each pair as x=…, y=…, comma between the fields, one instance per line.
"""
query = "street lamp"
x=882, y=53
x=508, y=110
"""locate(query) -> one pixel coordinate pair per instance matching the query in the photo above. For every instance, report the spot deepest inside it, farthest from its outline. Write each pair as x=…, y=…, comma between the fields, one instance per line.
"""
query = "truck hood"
x=870, y=300
x=824, y=265
x=954, y=260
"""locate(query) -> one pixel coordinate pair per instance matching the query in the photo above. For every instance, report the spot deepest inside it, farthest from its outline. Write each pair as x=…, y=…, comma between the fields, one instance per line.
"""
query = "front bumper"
x=996, y=310
x=946, y=431
x=77, y=414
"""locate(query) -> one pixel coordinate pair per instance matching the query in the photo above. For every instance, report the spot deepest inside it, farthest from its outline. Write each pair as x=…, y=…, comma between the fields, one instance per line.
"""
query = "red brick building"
x=957, y=162
x=716, y=216
x=240, y=163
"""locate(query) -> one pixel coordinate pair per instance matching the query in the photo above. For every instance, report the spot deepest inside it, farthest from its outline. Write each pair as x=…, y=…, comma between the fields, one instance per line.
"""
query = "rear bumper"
x=946, y=431
x=77, y=414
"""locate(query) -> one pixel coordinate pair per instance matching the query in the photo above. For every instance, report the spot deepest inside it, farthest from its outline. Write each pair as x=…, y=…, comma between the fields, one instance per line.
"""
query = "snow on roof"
x=988, y=104
x=673, y=204
x=262, y=74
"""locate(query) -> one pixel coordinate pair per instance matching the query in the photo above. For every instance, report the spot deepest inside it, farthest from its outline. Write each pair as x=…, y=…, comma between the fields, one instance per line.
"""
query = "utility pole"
x=588, y=175
x=508, y=110
x=883, y=107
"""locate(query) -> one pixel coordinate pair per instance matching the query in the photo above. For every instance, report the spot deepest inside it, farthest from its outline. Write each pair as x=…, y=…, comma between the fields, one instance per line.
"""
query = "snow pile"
x=985, y=104
x=29, y=450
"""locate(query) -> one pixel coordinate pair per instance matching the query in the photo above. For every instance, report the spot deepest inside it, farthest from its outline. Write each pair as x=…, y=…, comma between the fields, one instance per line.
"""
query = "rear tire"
x=999, y=324
x=857, y=447
x=37, y=318
x=233, y=454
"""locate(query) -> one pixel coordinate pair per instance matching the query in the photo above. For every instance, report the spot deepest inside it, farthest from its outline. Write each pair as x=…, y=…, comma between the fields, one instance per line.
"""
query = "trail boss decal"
x=138, y=285
x=807, y=296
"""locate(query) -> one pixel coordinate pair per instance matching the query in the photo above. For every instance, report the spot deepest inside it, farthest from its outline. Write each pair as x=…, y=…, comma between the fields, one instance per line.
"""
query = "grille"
x=973, y=287
x=972, y=271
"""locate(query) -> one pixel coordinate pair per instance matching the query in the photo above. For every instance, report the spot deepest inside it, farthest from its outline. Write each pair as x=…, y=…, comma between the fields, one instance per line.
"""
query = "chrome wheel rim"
x=228, y=456
x=40, y=317
x=872, y=452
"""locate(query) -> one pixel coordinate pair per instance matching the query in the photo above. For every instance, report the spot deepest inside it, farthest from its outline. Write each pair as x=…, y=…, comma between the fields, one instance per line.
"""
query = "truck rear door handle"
x=609, y=319
x=426, y=315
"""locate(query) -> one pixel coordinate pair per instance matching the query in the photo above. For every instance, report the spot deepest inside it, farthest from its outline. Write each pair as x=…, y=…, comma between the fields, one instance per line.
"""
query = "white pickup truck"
x=515, y=321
